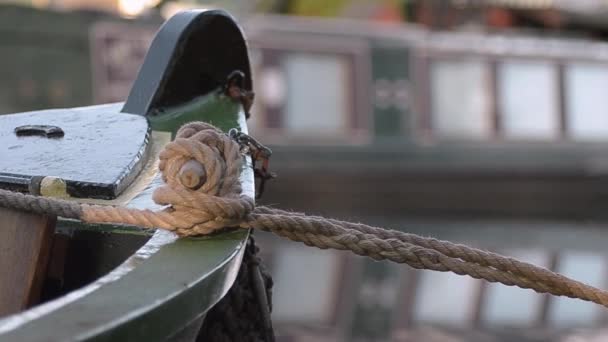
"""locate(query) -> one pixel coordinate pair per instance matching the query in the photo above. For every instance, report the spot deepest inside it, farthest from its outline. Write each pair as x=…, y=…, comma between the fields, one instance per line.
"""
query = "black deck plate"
x=100, y=153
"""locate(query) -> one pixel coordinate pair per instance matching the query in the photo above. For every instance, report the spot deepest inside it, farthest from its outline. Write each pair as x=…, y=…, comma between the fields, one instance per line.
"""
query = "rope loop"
x=217, y=204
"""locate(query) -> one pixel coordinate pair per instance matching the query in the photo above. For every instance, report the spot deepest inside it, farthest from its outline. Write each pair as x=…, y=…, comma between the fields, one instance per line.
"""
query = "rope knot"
x=201, y=169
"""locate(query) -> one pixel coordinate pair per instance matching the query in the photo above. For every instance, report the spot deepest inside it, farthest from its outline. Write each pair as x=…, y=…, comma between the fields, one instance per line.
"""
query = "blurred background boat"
x=482, y=122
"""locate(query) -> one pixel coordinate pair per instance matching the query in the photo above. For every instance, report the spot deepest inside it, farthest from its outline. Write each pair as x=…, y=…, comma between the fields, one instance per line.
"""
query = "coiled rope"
x=217, y=202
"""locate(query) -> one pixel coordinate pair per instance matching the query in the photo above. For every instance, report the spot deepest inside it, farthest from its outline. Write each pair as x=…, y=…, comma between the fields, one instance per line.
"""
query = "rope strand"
x=465, y=253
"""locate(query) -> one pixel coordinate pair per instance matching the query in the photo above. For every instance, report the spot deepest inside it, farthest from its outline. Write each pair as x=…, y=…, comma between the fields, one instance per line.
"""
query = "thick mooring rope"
x=217, y=202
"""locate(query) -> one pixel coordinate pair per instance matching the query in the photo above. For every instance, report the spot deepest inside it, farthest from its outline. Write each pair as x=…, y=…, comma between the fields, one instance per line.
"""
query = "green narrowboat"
x=496, y=140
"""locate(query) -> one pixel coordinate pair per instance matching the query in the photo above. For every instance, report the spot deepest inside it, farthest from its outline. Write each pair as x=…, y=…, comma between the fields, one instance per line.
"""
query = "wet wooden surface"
x=25, y=241
x=98, y=155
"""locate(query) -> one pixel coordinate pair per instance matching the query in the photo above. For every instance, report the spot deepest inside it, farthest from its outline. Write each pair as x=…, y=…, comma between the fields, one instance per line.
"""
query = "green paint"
x=390, y=64
x=373, y=314
x=211, y=107
x=374, y=309
x=68, y=226
x=45, y=59
x=176, y=284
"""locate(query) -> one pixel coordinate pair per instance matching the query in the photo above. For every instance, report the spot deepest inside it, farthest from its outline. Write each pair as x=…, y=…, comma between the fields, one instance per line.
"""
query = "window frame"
x=557, y=75
x=567, y=133
x=424, y=58
x=359, y=130
x=430, y=125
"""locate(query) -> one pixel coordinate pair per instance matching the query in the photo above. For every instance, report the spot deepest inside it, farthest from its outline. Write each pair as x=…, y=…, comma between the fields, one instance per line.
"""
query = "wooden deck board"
x=25, y=241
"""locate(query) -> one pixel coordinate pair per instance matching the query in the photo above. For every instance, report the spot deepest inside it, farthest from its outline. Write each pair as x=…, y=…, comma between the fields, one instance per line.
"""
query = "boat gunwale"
x=21, y=325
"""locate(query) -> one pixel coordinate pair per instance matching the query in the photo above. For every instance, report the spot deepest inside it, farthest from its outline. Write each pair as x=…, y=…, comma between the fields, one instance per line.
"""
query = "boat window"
x=586, y=101
x=317, y=100
x=459, y=99
x=528, y=99
x=588, y=268
x=304, y=284
x=507, y=305
x=303, y=96
x=445, y=298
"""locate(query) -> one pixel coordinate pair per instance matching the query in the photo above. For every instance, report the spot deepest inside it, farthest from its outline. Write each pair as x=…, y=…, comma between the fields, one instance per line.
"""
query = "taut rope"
x=204, y=207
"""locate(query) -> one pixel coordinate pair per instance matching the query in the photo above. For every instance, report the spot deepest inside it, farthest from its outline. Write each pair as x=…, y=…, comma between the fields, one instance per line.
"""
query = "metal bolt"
x=192, y=175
